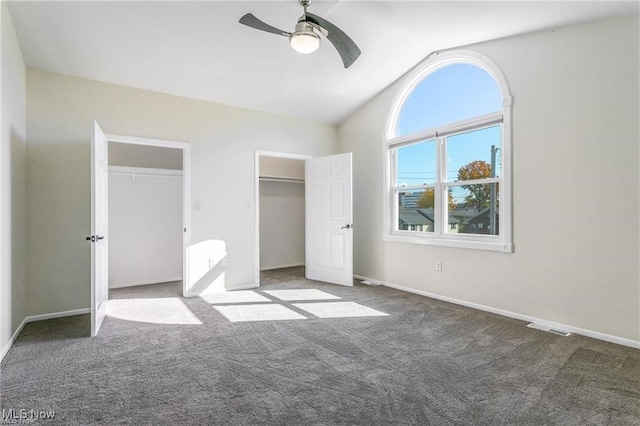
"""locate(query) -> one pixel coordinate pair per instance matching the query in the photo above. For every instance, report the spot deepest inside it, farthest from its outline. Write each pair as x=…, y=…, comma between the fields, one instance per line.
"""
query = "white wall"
x=282, y=233
x=13, y=281
x=60, y=112
x=575, y=179
x=145, y=229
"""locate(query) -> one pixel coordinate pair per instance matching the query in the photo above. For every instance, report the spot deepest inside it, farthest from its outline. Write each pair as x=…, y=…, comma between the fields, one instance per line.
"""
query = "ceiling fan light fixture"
x=304, y=39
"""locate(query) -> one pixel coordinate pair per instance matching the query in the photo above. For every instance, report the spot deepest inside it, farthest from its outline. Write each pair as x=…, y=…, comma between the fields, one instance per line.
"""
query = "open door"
x=99, y=224
x=329, y=219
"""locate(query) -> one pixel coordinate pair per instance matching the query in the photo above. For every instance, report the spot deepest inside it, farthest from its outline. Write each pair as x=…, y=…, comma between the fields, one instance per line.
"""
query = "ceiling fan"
x=305, y=38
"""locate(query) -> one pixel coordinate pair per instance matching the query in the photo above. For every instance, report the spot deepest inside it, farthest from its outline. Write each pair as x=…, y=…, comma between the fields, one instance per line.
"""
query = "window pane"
x=449, y=94
x=416, y=164
x=415, y=210
x=474, y=209
x=472, y=155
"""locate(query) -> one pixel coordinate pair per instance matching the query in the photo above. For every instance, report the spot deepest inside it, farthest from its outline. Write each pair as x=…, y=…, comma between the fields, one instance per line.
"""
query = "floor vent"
x=550, y=330
x=369, y=282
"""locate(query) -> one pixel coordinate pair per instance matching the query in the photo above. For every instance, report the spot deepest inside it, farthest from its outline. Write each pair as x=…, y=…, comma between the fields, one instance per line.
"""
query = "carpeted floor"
x=299, y=352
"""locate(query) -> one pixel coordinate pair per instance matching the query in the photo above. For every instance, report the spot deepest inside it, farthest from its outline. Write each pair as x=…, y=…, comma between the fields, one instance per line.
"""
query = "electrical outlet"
x=439, y=266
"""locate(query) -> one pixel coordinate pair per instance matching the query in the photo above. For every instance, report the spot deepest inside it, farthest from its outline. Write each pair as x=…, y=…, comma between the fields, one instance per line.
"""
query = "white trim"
x=473, y=241
x=463, y=126
x=527, y=318
x=41, y=317
x=53, y=315
x=134, y=140
x=186, y=191
x=15, y=335
x=256, y=200
x=434, y=62
x=270, y=268
x=244, y=287
x=504, y=240
x=138, y=283
x=143, y=171
x=250, y=286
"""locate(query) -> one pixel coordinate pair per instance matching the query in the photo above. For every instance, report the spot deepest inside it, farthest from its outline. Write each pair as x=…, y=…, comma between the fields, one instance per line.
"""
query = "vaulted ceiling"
x=198, y=50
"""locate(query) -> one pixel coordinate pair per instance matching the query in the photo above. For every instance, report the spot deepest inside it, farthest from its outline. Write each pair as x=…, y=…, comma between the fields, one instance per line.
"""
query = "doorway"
x=280, y=211
x=145, y=215
x=160, y=170
x=99, y=215
x=328, y=212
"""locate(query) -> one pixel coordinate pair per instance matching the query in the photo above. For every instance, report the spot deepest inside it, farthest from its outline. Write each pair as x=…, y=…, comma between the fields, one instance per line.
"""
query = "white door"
x=329, y=219
x=99, y=234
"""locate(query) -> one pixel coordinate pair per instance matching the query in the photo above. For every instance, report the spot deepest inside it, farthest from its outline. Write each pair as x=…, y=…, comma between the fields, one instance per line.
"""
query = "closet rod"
x=145, y=174
x=276, y=179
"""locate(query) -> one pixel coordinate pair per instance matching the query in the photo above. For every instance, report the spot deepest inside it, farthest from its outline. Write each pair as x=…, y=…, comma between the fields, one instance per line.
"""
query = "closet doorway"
x=148, y=211
x=280, y=210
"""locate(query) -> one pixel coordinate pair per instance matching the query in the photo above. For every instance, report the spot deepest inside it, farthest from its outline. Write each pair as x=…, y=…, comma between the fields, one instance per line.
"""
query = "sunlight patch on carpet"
x=242, y=296
x=165, y=310
x=301, y=294
x=246, y=313
x=339, y=310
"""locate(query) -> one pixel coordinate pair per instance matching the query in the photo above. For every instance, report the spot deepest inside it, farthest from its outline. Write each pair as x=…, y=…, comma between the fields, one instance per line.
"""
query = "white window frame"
x=502, y=242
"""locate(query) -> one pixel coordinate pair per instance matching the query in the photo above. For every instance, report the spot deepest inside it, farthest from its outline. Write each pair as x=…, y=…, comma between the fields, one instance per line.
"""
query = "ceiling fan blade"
x=346, y=47
x=251, y=21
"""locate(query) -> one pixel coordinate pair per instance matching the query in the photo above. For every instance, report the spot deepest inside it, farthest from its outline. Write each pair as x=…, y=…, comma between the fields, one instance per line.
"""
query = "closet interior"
x=145, y=215
x=282, y=212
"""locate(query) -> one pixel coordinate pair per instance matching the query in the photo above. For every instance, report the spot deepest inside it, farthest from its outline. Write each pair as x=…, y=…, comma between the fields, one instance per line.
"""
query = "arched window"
x=448, y=155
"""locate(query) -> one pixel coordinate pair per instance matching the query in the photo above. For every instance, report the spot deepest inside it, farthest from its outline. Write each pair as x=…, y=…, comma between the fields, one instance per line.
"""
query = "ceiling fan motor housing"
x=304, y=39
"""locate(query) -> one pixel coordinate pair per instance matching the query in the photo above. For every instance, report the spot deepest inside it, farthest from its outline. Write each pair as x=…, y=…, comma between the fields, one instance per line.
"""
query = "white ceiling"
x=198, y=49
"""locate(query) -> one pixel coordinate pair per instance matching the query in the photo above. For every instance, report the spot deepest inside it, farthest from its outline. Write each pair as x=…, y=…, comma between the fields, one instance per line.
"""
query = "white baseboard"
x=554, y=325
x=13, y=339
x=53, y=315
x=293, y=265
x=240, y=287
x=41, y=317
x=245, y=287
x=134, y=284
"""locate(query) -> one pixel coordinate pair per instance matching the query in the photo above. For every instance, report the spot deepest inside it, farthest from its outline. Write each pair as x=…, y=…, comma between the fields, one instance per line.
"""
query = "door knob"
x=100, y=237
x=91, y=238
x=347, y=226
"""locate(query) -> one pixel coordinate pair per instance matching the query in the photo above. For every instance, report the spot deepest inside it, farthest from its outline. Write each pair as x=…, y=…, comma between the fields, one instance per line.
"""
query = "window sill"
x=468, y=243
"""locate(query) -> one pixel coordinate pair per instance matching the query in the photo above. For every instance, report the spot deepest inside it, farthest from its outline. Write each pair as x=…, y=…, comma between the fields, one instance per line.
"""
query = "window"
x=448, y=151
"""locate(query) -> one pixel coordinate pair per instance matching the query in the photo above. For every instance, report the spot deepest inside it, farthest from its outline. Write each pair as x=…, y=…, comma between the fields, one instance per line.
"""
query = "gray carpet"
x=321, y=355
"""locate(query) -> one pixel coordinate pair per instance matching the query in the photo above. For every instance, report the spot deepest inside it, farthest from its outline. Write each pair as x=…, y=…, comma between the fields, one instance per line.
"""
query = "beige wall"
x=575, y=182
x=153, y=157
x=13, y=281
x=281, y=167
x=60, y=113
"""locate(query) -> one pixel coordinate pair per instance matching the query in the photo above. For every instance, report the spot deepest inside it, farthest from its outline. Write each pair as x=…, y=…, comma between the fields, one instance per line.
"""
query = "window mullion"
x=441, y=160
x=395, y=195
